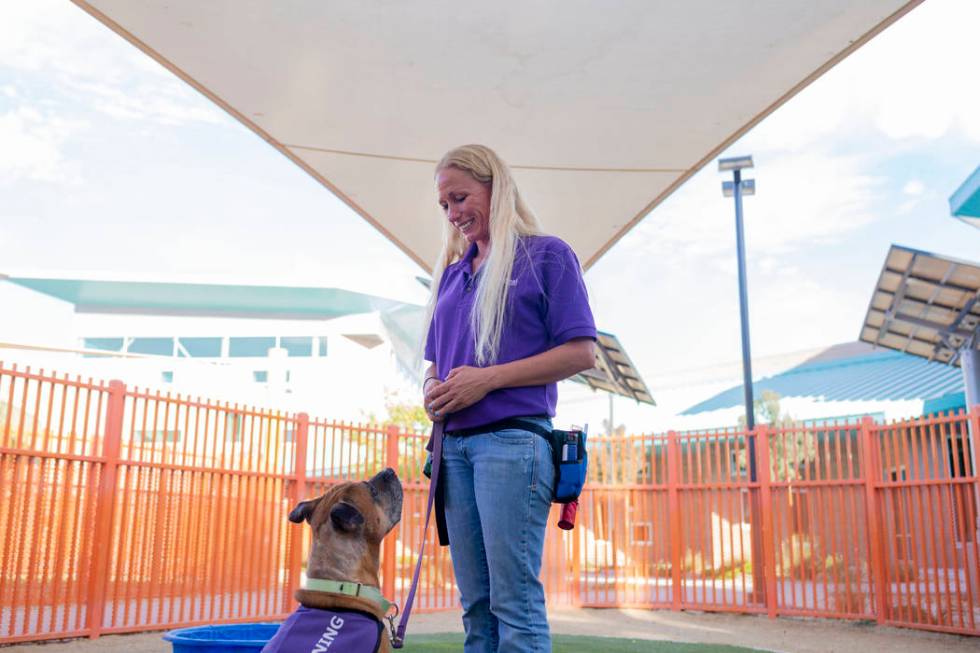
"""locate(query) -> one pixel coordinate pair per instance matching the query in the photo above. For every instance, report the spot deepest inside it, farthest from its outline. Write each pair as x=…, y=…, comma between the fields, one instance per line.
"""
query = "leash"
x=398, y=638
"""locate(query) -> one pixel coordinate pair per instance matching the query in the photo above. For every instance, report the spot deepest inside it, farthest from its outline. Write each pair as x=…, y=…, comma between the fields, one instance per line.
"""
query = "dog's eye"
x=374, y=490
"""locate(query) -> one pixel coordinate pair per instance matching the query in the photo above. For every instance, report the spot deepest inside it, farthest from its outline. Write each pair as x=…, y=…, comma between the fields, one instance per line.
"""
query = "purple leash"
x=399, y=639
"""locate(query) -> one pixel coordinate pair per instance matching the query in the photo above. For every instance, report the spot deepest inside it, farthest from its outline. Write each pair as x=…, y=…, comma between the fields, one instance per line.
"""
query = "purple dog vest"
x=309, y=630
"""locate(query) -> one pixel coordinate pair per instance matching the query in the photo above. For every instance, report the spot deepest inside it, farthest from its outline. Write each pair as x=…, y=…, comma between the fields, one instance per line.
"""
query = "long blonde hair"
x=510, y=218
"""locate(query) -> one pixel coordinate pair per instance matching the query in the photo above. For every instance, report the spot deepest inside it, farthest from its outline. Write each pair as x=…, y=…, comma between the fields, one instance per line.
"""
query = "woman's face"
x=466, y=203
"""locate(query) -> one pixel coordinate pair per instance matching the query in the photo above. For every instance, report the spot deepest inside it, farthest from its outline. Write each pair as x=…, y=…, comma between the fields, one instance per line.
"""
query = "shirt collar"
x=467, y=261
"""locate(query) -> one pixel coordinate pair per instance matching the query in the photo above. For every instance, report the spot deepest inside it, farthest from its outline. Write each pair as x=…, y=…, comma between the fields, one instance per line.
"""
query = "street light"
x=737, y=188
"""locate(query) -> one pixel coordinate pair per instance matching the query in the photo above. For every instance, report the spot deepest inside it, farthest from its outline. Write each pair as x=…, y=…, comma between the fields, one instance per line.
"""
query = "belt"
x=507, y=423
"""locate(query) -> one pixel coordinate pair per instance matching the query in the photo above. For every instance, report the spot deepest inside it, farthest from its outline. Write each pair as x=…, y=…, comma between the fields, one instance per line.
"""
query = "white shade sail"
x=601, y=108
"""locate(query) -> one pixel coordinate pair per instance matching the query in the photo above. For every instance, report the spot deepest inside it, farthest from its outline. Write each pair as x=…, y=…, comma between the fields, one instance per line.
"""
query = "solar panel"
x=926, y=305
x=614, y=371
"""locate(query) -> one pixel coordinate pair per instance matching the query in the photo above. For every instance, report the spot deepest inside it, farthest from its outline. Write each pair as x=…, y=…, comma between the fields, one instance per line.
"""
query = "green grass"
x=570, y=644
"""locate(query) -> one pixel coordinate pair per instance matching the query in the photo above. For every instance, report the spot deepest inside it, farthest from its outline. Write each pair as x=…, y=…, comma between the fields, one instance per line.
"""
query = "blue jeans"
x=498, y=489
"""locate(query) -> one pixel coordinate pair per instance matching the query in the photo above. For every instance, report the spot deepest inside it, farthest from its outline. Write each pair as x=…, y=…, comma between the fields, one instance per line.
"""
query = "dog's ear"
x=346, y=517
x=303, y=511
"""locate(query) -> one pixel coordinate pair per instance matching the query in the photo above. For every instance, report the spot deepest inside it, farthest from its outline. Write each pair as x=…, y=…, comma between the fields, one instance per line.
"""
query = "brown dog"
x=341, y=605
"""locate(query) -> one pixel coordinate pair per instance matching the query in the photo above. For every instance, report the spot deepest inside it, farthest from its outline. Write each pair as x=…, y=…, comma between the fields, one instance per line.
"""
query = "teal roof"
x=213, y=300
x=881, y=375
x=965, y=202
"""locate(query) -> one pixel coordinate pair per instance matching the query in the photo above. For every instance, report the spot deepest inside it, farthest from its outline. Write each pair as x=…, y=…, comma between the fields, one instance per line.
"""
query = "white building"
x=331, y=353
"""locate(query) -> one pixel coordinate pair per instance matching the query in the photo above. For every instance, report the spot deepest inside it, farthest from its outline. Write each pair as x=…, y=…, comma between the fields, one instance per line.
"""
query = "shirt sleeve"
x=566, y=303
x=430, y=341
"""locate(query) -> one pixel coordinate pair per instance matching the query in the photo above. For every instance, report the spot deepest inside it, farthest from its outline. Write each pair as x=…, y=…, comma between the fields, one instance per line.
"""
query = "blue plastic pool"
x=228, y=638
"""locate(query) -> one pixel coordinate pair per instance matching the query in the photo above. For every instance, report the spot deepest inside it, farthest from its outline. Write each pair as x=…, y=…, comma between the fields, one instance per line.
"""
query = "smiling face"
x=465, y=201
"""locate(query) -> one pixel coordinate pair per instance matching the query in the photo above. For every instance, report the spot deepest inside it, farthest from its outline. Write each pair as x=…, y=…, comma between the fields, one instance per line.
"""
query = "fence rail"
x=124, y=509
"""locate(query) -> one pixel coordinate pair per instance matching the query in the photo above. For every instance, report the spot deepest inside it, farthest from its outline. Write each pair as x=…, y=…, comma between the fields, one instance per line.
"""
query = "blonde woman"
x=509, y=317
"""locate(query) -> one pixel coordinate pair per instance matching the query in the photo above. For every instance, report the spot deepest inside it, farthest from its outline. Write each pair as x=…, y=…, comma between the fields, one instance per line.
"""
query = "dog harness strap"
x=399, y=640
x=350, y=589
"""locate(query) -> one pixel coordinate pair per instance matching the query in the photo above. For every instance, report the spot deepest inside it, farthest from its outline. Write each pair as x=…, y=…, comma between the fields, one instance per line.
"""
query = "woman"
x=509, y=317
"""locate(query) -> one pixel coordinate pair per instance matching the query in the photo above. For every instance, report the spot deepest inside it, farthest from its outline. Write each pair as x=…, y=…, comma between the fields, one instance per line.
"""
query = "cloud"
x=32, y=146
x=924, y=92
x=165, y=104
x=916, y=80
x=802, y=198
x=914, y=187
x=81, y=64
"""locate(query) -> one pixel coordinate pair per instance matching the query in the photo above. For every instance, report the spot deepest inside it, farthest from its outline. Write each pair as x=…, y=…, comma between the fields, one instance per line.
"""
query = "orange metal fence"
x=123, y=510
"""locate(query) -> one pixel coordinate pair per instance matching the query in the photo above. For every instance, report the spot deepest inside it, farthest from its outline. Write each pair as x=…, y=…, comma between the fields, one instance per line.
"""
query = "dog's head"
x=350, y=520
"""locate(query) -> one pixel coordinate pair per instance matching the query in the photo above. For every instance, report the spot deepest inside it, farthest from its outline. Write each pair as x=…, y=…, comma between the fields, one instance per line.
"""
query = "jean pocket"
x=512, y=436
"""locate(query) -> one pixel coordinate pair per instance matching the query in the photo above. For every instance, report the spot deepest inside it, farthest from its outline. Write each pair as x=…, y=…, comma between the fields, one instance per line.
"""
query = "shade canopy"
x=965, y=202
x=849, y=376
x=602, y=108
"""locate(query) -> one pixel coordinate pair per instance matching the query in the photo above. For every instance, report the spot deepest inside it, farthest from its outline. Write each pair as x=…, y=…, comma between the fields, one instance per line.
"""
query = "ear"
x=304, y=511
x=346, y=517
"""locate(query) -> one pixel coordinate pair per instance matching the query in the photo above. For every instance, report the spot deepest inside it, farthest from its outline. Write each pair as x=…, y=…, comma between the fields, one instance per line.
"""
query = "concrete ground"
x=784, y=634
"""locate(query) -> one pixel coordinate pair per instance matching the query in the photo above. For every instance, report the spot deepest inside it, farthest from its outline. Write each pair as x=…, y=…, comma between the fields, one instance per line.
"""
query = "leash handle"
x=398, y=641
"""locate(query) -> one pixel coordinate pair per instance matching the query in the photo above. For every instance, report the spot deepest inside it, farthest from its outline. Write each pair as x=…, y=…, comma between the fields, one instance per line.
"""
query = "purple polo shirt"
x=547, y=306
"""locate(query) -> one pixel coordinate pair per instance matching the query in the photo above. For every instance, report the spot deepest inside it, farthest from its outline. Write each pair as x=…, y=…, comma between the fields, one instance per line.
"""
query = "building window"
x=260, y=376
x=167, y=377
x=102, y=344
x=297, y=345
x=250, y=347
x=322, y=349
x=200, y=347
x=152, y=346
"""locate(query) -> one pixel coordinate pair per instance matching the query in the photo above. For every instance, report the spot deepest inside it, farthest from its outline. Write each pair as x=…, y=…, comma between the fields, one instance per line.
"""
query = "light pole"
x=737, y=188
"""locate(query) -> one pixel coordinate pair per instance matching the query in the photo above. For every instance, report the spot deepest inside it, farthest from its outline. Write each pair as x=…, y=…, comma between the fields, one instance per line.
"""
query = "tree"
x=791, y=446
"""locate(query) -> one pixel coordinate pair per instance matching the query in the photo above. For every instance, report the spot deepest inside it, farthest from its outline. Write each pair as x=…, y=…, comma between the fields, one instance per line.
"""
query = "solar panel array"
x=614, y=371
x=926, y=305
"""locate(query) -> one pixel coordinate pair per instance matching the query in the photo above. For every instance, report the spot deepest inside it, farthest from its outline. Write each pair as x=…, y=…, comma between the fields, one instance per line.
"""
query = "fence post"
x=674, y=503
x=390, y=542
x=300, y=435
x=871, y=470
x=764, y=472
x=576, y=535
x=105, y=504
x=974, y=433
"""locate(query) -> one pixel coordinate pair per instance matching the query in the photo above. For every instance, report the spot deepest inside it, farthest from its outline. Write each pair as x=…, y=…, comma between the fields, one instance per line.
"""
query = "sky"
x=110, y=167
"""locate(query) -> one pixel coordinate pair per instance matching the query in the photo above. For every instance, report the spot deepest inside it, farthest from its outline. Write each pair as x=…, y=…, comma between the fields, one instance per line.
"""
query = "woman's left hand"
x=463, y=387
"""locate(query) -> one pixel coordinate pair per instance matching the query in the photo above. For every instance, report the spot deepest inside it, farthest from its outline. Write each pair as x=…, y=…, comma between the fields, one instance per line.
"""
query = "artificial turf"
x=572, y=644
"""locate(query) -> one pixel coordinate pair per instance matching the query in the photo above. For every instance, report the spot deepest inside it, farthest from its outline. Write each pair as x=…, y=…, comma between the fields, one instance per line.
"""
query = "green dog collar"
x=350, y=589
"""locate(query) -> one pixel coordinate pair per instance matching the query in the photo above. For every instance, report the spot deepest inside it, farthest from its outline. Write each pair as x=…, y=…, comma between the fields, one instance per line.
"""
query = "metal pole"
x=743, y=302
x=758, y=576
x=612, y=428
x=970, y=363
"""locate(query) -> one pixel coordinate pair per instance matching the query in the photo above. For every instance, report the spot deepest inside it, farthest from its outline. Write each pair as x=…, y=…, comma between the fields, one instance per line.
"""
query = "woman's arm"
x=467, y=385
x=430, y=382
